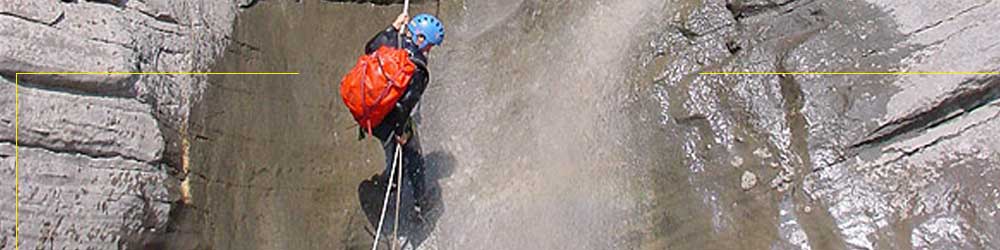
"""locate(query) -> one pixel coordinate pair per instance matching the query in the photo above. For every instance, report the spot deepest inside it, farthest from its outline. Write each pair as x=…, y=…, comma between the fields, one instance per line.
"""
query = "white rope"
x=397, y=161
x=397, y=157
x=402, y=30
x=399, y=194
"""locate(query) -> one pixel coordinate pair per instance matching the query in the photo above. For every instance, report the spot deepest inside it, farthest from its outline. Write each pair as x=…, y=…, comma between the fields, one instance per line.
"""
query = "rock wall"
x=840, y=161
x=99, y=153
x=849, y=161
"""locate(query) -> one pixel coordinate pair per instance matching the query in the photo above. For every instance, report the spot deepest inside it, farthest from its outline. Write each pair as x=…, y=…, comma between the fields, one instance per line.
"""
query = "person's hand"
x=402, y=139
x=400, y=21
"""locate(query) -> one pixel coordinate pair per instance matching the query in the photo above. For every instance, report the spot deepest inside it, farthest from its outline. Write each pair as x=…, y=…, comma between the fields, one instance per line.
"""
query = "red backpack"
x=370, y=90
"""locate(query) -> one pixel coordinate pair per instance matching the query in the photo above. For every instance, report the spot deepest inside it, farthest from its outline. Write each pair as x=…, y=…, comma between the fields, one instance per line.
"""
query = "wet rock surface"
x=890, y=160
x=99, y=153
x=547, y=125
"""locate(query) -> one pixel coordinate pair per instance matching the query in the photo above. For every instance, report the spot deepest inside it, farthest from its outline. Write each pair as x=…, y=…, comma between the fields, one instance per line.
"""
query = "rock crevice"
x=973, y=94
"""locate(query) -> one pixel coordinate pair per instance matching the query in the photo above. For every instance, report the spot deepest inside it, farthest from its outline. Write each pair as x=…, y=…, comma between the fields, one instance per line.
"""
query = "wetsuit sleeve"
x=386, y=37
x=410, y=98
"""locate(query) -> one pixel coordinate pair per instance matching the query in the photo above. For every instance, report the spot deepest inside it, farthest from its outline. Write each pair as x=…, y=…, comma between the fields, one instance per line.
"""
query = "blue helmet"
x=429, y=27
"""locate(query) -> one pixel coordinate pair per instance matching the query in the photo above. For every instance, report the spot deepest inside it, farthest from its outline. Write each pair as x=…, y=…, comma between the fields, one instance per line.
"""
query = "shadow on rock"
x=420, y=187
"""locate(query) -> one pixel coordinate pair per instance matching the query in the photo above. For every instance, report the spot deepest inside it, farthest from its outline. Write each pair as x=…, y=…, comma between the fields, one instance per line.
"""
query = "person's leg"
x=383, y=183
x=390, y=153
x=410, y=219
x=413, y=163
x=384, y=134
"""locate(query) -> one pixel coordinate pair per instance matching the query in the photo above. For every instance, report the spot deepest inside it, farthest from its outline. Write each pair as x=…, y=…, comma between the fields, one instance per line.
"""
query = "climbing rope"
x=397, y=161
x=402, y=30
x=399, y=193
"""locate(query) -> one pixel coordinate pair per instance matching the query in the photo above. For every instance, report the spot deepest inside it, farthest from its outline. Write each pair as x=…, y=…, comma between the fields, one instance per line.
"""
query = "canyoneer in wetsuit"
x=423, y=33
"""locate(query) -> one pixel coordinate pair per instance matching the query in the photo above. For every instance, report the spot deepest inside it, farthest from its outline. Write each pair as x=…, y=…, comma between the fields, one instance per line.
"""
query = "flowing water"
x=541, y=127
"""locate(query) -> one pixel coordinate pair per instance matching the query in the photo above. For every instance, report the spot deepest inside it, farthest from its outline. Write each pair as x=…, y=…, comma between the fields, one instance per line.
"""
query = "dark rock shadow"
x=414, y=225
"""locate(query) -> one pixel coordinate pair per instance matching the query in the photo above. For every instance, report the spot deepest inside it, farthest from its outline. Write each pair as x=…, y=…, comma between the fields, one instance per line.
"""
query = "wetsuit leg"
x=390, y=151
x=413, y=163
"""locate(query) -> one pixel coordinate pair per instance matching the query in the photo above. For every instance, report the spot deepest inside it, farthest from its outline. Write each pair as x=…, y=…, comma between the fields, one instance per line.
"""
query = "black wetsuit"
x=398, y=121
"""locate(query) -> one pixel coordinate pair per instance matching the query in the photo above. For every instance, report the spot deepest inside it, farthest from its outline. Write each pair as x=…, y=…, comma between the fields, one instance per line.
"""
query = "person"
x=422, y=33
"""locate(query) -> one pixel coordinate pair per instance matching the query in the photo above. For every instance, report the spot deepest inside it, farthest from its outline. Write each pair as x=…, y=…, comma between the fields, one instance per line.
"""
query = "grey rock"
x=45, y=12
x=70, y=200
x=919, y=179
x=90, y=125
x=937, y=134
x=179, y=37
x=879, y=155
x=959, y=40
x=118, y=3
x=97, y=149
x=33, y=47
x=151, y=36
x=101, y=23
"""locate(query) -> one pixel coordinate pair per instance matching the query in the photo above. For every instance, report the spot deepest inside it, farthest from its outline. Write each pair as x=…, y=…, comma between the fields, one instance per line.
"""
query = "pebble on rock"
x=748, y=181
x=737, y=161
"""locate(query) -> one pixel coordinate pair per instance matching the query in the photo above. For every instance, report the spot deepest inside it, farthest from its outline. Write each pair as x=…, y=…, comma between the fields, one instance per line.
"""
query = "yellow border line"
x=849, y=73
x=17, y=110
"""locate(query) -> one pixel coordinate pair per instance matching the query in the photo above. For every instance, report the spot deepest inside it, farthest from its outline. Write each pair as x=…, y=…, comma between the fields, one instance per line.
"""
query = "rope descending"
x=397, y=160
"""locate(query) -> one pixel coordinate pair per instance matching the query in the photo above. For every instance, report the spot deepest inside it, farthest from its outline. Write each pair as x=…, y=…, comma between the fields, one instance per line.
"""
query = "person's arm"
x=387, y=37
x=383, y=38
